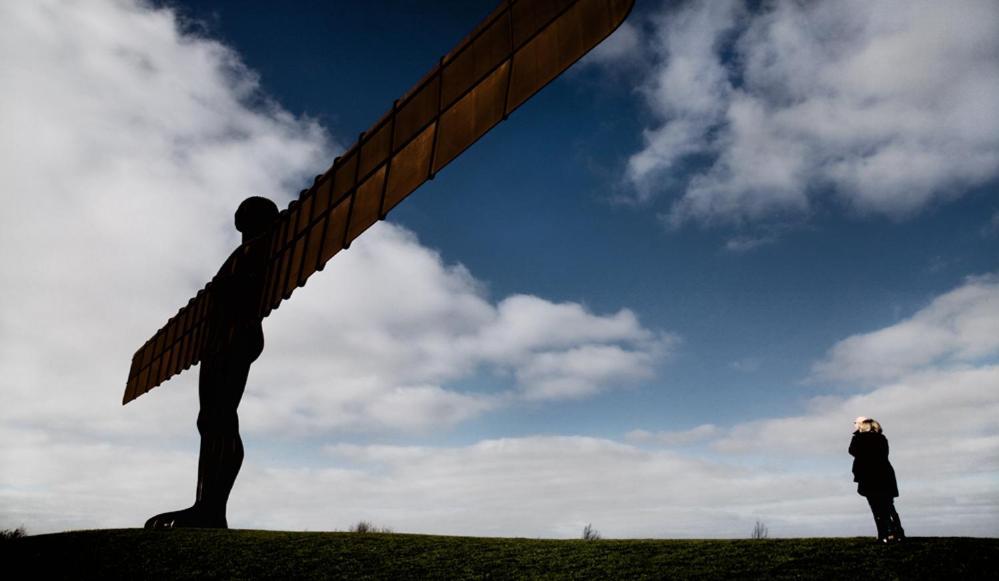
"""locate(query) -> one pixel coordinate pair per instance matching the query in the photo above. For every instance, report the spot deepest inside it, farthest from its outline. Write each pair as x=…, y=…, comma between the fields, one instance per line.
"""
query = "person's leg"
x=877, y=510
x=896, y=522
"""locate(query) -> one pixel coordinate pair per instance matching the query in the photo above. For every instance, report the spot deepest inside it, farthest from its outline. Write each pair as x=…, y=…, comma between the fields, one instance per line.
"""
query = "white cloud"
x=694, y=435
x=623, y=46
x=741, y=244
x=747, y=364
x=885, y=104
x=534, y=486
x=689, y=91
x=388, y=326
x=958, y=327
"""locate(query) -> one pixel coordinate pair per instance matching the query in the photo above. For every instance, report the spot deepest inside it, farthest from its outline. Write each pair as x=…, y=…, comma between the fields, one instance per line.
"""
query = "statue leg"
x=221, y=385
x=218, y=465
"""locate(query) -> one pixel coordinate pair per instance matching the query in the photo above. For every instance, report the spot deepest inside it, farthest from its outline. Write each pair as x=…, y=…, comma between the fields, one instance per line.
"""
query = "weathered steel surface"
x=510, y=56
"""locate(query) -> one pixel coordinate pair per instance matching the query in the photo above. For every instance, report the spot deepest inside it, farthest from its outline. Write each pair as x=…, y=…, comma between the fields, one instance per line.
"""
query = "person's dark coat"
x=871, y=470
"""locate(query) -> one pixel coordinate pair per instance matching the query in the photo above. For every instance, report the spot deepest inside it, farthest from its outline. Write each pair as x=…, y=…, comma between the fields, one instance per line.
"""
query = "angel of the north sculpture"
x=518, y=49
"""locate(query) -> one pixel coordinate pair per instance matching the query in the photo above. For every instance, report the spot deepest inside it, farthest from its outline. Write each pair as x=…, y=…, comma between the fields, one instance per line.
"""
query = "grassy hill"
x=210, y=554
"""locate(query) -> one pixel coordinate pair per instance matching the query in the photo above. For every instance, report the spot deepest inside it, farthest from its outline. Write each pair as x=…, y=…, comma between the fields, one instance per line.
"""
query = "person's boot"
x=896, y=524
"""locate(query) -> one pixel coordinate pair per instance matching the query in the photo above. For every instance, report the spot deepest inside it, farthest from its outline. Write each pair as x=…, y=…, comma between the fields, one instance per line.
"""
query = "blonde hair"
x=869, y=425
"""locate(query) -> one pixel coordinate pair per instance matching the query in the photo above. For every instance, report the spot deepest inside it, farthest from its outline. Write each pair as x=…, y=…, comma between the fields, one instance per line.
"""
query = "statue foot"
x=192, y=517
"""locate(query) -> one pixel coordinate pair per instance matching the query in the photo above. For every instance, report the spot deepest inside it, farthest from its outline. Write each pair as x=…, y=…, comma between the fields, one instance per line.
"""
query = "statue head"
x=254, y=215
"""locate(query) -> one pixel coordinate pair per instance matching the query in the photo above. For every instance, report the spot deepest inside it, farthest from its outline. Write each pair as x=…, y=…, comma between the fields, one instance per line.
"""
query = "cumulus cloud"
x=541, y=486
x=389, y=334
x=883, y=105
x=694, y=435
x=741, y=244
x=623, y=46
x=956, y=328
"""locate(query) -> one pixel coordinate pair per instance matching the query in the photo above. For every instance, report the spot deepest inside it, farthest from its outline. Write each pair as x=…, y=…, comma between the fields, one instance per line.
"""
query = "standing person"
x=235, y=340
x=875, y=477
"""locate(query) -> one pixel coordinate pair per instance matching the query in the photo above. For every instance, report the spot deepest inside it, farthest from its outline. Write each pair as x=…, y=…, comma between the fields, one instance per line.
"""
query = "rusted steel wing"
x=517, y=50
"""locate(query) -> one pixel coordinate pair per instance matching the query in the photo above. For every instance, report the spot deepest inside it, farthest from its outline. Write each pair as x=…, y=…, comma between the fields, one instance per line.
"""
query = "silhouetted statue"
x=235, y=340
x=518, y=49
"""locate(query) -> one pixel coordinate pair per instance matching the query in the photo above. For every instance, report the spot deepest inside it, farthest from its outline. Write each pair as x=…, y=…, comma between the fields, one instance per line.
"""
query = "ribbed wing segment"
x=517, y=50
x=172, y=349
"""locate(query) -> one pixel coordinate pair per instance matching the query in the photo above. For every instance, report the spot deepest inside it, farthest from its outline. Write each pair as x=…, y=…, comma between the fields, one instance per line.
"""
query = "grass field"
x=212, y=554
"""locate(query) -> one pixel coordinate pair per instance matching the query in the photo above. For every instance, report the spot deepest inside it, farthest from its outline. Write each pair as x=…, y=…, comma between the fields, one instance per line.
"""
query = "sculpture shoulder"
x=247, y=259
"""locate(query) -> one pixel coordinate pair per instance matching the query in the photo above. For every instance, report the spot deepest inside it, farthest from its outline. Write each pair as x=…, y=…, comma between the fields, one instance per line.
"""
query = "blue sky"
x=653, y=299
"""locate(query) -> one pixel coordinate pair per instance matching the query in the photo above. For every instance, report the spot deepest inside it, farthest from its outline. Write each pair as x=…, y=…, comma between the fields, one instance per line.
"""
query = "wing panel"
x=294, y=247
x=154, y=374
x=133, y=380
x=375, y=149
x=310, y=262
x=272, y=282
x=483, y=54
x=295, y=267
x=266, y=301
x=323, y=189
x=346, y=175
x=477, y=112
x=147, y=354
x=189, y=357
x=308, y=211
x=142, y=386
x=417, y=111
x=530, y=16
x=336, y=230
x=367, y=202
x=410, y=168
x=179, y=356
x=284, y=262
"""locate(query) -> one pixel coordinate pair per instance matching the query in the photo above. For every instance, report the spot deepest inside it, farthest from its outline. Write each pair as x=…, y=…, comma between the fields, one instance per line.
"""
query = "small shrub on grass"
x=367, y=527
x=590, y=533
x=8, y=534
x=760, y=531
